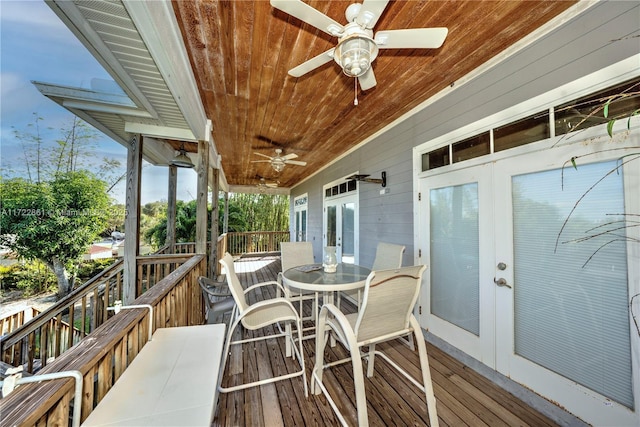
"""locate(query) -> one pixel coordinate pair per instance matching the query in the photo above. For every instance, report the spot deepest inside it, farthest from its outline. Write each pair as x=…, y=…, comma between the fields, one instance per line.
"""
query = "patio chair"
x=386, y=314
x=216, y=303
x=257, y=316
x=388, y=255
x=293, y=254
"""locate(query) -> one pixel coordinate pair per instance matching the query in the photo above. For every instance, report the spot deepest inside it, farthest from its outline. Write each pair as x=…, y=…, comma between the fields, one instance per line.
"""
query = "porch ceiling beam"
x=162, y=132
x=252, y=189
x=159, y=153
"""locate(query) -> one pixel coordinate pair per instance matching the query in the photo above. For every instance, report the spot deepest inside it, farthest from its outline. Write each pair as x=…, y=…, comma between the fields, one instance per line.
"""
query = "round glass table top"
x=313, y=278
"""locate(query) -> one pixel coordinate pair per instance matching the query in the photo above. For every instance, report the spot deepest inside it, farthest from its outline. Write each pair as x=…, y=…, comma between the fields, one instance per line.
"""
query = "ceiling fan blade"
x=370, y=12
x=367, y=80
x=308, y=14
x=260, y=161
x=263, y=155
x=415, y=38
x=312, y=64
x=290, y=156
x=295, y=162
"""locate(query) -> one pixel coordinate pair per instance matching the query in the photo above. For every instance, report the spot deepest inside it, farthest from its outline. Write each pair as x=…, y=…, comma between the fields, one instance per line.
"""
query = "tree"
x=75, y=150
x=260, y=212
x=54, y=221
x=185, y=224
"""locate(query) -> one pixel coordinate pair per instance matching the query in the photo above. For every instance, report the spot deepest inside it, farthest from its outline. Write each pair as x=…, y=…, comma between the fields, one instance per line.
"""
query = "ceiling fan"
x=357, y=47
x=279, y=161
x=263, y=184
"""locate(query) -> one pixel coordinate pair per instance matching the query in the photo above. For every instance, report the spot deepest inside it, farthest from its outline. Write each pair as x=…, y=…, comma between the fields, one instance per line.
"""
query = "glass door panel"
x=455, y=255
x=570, y=293
x=331, y=226
x=346, y=250
x=301, y=226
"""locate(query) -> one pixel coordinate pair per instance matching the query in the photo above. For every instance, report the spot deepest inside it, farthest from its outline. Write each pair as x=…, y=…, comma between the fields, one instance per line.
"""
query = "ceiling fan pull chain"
x=355, y=90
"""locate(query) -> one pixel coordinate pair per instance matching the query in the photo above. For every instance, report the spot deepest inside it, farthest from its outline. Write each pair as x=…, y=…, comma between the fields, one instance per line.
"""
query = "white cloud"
x=33, y=14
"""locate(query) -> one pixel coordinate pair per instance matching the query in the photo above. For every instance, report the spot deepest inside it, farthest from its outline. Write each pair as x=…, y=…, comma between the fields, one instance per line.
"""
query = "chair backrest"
x=293, y=254
x=387, y=305
x=388, y=255
x=205, y=294
x=235, y=287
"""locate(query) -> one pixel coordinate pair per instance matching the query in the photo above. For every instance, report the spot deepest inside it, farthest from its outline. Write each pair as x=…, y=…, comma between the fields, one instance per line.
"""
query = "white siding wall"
x=579, y=46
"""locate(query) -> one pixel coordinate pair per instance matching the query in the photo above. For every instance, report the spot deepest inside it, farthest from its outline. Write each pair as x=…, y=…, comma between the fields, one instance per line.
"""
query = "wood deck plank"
x=464, y=397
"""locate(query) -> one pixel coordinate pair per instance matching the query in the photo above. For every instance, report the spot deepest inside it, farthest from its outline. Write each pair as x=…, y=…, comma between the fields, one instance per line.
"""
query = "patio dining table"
x=313, y=278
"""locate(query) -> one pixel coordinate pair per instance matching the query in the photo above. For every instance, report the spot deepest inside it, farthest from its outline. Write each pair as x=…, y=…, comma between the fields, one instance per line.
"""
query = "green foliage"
x=115, y=220
x=59, y=218
x=247, y=212
x=32, y=278
x=156, y=235
x=236, y=217
x=612, y=120
x=258, y=212
x=88, y=269
x=53, y=221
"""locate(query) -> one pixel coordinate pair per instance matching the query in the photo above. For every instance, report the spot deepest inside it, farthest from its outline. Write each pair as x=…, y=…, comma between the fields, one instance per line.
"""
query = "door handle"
x=501, y=282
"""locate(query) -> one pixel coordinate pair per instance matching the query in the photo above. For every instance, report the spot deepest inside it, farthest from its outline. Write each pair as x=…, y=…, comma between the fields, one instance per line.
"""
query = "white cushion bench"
x=171, y=382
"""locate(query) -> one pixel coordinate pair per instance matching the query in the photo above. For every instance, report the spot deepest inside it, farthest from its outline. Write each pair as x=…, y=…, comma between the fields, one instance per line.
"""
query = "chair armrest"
x=338, y=322
x=270, y=303
x=217, y=294
x=214, y=288
x=261, y=284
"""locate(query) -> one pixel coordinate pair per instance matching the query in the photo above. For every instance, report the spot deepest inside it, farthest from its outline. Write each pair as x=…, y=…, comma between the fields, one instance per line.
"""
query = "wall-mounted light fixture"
x=365, y=178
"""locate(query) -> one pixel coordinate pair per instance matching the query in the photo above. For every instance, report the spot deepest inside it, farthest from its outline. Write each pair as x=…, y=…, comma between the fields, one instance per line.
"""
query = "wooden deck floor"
x=464, y=398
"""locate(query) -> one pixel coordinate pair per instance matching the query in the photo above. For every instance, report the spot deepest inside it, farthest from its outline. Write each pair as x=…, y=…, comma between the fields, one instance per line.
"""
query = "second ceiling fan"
x=357, y=47
x=279, y=161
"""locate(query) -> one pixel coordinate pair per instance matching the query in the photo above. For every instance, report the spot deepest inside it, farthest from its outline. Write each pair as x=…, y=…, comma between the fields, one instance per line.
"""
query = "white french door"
x=530, y=267
x=341, y=226
x=300, y=218
x=457, y=225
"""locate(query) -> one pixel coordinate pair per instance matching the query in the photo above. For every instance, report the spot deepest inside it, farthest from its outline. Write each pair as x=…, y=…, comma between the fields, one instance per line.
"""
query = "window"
x=623, y=100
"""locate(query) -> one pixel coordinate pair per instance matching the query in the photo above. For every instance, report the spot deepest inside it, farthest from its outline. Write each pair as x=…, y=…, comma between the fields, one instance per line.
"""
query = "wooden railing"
x=66, y=323
x=176, y=301
x=35, y=343
x=255, y=242
x=13, y=321
x=238, y=243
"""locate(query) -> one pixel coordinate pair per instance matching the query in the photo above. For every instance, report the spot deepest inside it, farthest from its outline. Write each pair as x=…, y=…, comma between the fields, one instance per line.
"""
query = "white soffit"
x=139, y=66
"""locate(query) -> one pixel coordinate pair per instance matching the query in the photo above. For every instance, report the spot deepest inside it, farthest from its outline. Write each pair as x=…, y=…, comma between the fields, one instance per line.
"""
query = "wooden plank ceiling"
x=241, y=51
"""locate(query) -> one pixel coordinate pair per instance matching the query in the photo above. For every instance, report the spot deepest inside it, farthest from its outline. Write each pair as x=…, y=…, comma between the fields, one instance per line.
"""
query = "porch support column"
x=171, y=209
x=225, y=225
x=132, y=219
x=201, y=207
x=213, y=257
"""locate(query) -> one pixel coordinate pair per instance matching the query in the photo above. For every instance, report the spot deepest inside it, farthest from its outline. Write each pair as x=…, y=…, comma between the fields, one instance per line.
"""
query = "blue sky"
x=36, y=45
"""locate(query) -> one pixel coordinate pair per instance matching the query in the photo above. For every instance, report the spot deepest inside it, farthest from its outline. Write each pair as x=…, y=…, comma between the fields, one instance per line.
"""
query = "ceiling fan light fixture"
x=277, y=166
x=355, y=53
x=182, y=160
